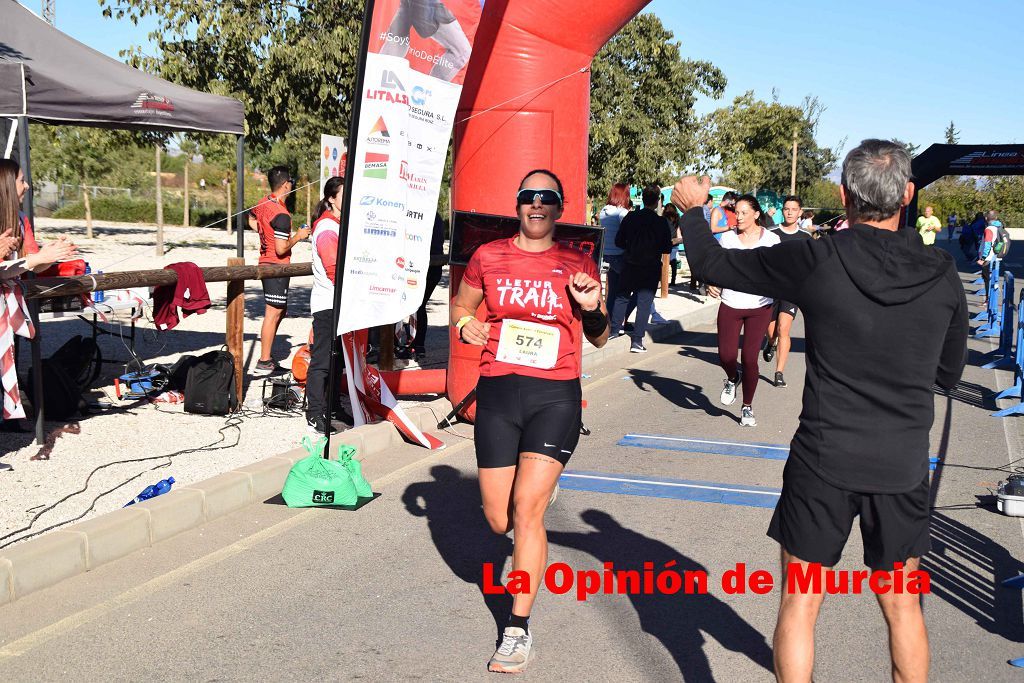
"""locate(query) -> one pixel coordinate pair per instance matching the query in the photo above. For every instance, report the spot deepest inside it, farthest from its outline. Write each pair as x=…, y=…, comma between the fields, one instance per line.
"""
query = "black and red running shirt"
x=533, y=287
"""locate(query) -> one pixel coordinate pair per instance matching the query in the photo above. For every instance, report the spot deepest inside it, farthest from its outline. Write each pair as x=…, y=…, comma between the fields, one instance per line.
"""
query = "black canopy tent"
x=942, y=160
x=48, y=77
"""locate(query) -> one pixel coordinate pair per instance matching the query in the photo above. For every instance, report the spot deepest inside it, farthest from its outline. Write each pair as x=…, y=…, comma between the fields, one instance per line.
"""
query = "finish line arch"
x=530, y=74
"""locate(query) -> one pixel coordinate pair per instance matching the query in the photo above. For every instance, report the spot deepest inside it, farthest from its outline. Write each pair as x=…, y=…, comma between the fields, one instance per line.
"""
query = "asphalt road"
x=393, y=591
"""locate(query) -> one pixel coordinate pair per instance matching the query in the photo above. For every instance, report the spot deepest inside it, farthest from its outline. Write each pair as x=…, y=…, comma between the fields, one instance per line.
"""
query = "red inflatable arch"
x=521, y=47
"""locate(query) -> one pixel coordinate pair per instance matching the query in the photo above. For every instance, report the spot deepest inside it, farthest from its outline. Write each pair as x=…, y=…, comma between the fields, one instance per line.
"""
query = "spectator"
x=419, y=343
x=928, y=225
x=643, y=236
x=862, y=444
x=986, y=254
x=274, y=225
x=610, y=218
x=807, y=221
x=970, y=236
x=326, y=229
x=723, y=216
x=22, y=231
x=951, y=224
x=671, y=214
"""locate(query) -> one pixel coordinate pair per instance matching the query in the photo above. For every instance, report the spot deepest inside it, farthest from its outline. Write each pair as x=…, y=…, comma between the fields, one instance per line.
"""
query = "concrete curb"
x=45, y=561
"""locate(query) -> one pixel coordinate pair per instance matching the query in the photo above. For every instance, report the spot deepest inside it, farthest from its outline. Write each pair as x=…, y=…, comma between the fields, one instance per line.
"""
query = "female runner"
x=541, y=299
x=749, y=312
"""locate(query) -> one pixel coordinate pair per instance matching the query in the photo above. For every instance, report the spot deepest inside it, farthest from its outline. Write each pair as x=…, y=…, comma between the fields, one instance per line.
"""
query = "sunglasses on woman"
x=546, y=197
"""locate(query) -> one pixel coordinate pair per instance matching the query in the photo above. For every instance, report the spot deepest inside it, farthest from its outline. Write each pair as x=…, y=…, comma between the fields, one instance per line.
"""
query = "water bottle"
x=99, y=295
x=157, y=489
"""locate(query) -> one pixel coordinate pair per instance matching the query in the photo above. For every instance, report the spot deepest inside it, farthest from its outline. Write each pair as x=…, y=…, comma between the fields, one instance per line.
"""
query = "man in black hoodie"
x=886, y=318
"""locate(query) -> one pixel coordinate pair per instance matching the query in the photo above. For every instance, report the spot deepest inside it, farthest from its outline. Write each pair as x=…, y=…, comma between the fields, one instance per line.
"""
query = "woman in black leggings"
x=750, y=313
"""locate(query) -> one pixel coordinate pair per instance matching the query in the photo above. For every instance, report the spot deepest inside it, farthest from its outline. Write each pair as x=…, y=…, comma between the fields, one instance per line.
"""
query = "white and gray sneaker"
x=729, y=391
x=747, y=417
x=513, y=654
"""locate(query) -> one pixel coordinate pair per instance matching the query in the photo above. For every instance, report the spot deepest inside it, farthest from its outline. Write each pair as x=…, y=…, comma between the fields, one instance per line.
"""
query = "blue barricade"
x=1018, y=369
x=1004, y=355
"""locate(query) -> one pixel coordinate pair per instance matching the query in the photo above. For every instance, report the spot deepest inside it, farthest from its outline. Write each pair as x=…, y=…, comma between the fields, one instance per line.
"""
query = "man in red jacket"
x=274, y=225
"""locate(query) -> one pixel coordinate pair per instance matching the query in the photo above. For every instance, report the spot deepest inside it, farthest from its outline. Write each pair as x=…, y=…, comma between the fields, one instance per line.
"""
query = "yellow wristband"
x=462, y=321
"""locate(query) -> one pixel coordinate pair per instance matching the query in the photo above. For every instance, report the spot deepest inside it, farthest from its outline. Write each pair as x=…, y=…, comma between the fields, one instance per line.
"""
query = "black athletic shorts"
x=813, y=519
x=275, y=291
x=517, y=414
x=784, y=307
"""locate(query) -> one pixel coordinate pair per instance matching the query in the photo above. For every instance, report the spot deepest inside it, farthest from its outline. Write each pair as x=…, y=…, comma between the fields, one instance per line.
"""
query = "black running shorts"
x=516, y=414
x=813, y=519
x=275, y=291
x=784, y=307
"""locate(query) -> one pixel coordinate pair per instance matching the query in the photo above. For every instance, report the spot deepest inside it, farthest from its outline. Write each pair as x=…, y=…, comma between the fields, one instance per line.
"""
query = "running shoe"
x=268, y=367
x=747, y=417
x=637, y=347
x=729, y=391
x=769, y=351
x=513, y=654
x=316, y=425
x=780, y=381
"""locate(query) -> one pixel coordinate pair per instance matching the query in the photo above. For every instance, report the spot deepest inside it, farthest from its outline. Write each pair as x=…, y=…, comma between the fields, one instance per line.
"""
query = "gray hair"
x=875, y=175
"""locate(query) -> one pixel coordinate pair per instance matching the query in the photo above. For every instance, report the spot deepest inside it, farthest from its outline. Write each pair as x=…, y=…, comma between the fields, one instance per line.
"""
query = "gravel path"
x=118, y=430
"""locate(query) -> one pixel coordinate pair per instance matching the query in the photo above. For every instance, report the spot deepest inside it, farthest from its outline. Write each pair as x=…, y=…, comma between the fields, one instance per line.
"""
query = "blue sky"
x=901, y=68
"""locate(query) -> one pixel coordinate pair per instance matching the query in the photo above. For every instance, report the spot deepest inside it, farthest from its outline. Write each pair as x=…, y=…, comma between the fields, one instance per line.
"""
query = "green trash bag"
x=314, y=481
x=354, y=468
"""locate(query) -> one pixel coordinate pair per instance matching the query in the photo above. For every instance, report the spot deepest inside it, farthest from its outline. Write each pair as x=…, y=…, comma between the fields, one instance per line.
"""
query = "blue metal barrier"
x=994, y=310
x=1004, y=355
x=1018, y=369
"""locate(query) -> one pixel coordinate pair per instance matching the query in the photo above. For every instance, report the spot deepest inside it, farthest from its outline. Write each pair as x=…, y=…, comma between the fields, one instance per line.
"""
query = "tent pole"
x=33, y=306
x=240, y=220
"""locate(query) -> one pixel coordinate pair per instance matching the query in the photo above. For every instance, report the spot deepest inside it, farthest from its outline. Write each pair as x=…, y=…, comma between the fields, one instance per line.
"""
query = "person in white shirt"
x=749, y=313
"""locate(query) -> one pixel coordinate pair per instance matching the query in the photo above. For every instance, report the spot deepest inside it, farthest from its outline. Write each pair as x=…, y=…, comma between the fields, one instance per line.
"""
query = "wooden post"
x=309, y=220
x=228, y=219
x=159, y=207
x=88, y=211
x=792, y=178
x=666, y=270
x=185, y=216
x=387, y=347
x=235, y=320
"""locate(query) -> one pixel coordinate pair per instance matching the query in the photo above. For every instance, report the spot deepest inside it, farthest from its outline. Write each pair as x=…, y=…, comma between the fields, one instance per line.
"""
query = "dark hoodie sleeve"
x=778, y=271
x=954, y=348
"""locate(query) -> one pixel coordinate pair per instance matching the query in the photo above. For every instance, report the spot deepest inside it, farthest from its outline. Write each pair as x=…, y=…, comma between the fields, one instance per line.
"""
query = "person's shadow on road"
x=686, y=395
x=677, y=621
x=464, y=540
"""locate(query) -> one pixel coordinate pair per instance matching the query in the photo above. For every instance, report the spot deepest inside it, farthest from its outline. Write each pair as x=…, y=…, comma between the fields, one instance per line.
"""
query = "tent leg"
x=33, y=306
x=241, y=223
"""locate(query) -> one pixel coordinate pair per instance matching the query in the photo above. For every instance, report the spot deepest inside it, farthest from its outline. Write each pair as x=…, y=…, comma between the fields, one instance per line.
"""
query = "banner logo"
x=415, y=182
x=379, y=134
x=375, y=165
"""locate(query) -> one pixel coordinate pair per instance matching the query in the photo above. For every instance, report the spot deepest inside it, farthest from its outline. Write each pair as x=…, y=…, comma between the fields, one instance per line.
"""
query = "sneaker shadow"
x=678, y=622
x=464, y=540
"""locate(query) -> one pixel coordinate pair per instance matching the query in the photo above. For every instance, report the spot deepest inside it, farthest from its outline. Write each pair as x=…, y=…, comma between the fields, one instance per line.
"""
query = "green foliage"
x=292, y=64
x=910, y=146
x=822, y=194
x=966, y=196
x=642, y=94
x=751, y=142
x=132, y=210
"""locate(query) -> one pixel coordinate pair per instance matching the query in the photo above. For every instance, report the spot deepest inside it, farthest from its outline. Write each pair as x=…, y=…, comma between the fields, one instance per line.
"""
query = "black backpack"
x=210, y=386
x=67, y=375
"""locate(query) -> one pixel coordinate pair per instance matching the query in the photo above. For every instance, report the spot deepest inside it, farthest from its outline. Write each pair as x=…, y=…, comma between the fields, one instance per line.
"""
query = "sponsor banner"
x=332, y=158
x=411, y=87
x=370, y=396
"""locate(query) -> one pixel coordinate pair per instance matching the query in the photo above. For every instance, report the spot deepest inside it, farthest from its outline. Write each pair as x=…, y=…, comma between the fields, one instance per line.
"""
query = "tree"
x=751, y=143
x=642, y=95
x=293, y=64
x=79, y=156
x=910, y=146
x=952, y=134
